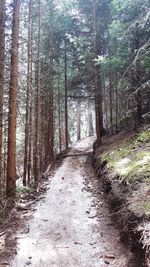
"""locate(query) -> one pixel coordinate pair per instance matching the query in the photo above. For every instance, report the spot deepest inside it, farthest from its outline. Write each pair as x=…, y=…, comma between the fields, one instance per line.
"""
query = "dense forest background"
x=65, y=65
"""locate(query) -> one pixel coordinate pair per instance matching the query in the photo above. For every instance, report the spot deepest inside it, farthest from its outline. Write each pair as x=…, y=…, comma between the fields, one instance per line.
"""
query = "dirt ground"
x=71, y=226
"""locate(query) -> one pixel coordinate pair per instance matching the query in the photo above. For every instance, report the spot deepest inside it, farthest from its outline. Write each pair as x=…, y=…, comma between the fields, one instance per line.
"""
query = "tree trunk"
x=2, y=56
x=116, y=93
x=27, y=123
x=66, y=98
x=59, y=110
x=50, y=90
x=111, y=100
x=97, y=74
x=11, y=161
x=90, y=119
x=78, y=120
x=37, y=104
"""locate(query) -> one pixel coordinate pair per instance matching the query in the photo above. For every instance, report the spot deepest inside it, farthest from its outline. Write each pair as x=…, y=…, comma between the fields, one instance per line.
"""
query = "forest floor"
x=69, y=226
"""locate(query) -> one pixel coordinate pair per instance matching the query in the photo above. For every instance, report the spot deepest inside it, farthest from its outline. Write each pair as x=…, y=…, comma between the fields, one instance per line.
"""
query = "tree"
x=37, y=126
x=11, y=162
x=97, y=76
x=2, y=57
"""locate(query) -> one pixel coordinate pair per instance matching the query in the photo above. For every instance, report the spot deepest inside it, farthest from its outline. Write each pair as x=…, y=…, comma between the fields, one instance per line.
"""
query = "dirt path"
x=71, y=226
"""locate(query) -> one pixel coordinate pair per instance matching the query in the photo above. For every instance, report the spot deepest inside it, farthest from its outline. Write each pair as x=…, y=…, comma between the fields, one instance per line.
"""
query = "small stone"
x=28, y=262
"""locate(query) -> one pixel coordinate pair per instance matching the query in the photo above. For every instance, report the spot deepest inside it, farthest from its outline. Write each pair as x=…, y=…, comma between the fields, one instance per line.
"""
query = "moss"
x=142, y=137
x=147, y=208
x=129, y=162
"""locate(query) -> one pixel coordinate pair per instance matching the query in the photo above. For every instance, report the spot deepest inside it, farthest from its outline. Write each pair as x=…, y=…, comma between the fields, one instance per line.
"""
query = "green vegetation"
x=21, y=190
x=147, y=208
x=131, y=162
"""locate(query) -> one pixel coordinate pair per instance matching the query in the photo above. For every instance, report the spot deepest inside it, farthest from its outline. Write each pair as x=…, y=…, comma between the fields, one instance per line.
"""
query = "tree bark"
x=37, y=103
x=11, y=161
x=2, y=58
x=90, y=120
x=78, y=120
x=50, y=90
x=97, y=75
x=66, y=98
x=27, y=123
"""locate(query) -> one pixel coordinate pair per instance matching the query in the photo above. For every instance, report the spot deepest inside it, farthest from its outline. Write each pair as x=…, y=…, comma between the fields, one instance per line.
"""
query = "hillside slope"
x=123, y=166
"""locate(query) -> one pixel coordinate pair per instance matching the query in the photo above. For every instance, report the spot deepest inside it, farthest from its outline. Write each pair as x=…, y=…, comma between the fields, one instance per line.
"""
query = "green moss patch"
x=131, y=162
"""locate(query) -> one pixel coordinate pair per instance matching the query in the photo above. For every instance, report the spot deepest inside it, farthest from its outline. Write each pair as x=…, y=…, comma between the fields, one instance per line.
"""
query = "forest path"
x=71, y=226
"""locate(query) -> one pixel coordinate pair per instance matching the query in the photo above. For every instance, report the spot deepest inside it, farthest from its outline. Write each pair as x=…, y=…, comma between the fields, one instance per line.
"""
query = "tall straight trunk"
x=105, y=104
x=37, y=103
x=2, y=55
x=59, y=110
x=50, y=90
x=12, y=119
x=97, y=74
x=116, y=93
x=27, y=124
x=78, y=120
x=111, y=100
x=66, y=98
x=90, y=119
x=30, y=153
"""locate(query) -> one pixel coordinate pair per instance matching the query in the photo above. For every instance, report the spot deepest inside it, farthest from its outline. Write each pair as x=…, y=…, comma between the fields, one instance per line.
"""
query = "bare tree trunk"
x=78, y=120
x=27, y=124
x=116, y=93
x=98, y=83
x=66, y=98
x=11, y=161
x=2, y=58
x=37, y=104
x=59, y=110
x=111, y=101
x=30, y=161
x=51, y=112
x=90, y=119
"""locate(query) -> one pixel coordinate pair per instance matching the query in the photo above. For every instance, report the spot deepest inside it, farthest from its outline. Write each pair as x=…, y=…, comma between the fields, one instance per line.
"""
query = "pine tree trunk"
x=116, y=93
x=50, y=89
x=97, y=74
x=27, y=123
x=30, y=162
x=2, y=56
x=59, y=110
x=111, y=101
x=11, y=161
x=37, y=104
x=66, y=98
x=90, y=119
x=78, y=120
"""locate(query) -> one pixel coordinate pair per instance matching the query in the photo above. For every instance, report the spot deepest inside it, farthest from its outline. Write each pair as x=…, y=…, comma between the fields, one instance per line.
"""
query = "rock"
x=77, y=243
x=28, y=263
x=107, y=262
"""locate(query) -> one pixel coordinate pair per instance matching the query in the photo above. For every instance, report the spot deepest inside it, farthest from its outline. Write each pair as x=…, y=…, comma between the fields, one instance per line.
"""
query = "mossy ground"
x=128, y=163
x=131, y=161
